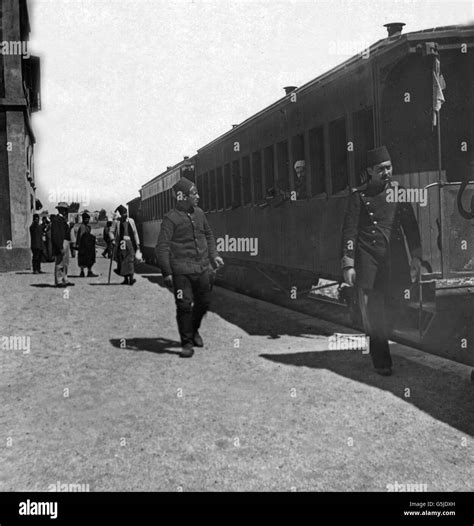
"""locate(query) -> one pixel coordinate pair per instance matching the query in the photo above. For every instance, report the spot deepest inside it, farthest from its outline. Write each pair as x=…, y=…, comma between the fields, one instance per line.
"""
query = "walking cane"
x=113, y=253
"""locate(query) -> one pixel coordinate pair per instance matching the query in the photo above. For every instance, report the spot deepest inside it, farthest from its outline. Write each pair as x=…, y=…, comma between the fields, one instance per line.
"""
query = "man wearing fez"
x=124, y=235
x=374, y=259
x=60, y=239
x=36, y=244
x=85, y=242
x=186, y=249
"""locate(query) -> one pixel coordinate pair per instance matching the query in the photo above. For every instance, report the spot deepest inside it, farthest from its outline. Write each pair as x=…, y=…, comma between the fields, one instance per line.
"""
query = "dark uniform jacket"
x=60, y=231
x=373, y=240
x=36, y=237
x=186, y=244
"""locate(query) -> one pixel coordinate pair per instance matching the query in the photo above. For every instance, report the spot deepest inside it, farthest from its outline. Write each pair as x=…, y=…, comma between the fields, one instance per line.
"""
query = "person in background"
x=46, y=238
x=375, y=259
x=61, y=239
x=300, y=180
x=124, y=235
x=73, y=229
x=85, y=242
x=107, y=253
x=186, y=249
x=36, y=244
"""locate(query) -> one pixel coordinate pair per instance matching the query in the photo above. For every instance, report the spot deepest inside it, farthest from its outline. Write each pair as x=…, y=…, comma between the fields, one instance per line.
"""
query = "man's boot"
x=187, y=351
x=198, y=340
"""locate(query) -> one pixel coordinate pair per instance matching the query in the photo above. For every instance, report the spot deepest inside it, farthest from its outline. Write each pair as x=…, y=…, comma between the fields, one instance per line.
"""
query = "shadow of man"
x=155, y=345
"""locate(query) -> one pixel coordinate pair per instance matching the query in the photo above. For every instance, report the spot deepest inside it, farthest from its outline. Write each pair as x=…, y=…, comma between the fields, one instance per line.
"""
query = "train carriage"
x=155, y=201
x=248, y=186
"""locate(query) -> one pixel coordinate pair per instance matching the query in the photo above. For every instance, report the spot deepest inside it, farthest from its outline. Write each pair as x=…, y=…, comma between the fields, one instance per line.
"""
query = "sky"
x=129, y=87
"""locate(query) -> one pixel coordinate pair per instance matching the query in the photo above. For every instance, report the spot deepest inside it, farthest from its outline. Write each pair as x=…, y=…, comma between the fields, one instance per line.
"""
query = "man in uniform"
x=374, y=255
x=61, y=238
x=186, y=249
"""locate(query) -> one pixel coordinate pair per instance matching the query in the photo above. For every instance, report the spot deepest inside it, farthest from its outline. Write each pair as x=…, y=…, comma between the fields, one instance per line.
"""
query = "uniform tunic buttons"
x=375, y=222
x=371, y=213
x=373, y=241
x=373, y=232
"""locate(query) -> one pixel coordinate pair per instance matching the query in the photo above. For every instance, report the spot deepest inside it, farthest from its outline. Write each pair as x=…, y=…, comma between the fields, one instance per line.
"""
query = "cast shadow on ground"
x=155, y=345
x=239, y=312
x=43, y=285
x=441, y=393
x=105, y=284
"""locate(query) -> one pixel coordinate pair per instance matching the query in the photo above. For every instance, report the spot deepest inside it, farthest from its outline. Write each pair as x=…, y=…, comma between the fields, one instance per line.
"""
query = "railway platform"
x=94, y=393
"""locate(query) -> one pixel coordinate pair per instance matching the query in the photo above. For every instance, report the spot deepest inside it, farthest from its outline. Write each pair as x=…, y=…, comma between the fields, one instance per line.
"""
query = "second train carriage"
x=156, y=199
x=248, y=188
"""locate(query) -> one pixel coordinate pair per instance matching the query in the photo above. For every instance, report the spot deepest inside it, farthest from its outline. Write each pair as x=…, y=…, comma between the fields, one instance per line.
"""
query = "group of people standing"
x=57, y=240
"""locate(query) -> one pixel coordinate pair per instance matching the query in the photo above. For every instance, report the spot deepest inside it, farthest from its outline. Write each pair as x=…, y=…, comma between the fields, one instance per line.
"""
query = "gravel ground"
x=103, y=398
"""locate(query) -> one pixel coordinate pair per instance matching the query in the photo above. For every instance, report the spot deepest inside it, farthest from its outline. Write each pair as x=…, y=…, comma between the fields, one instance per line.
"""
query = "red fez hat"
x=377, y=156
x=183, y=185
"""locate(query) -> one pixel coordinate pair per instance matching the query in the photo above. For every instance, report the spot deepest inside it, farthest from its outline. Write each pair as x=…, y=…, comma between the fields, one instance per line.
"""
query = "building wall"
x=17, y=192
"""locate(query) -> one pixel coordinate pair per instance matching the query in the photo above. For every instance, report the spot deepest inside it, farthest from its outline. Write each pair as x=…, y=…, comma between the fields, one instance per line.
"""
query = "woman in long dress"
x=85, y=242
x=127, y=245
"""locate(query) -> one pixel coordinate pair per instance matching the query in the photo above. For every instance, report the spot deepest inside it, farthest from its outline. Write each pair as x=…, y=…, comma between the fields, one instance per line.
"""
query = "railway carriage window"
x=169, y=199
x=363, y=126
x=227, y=186
x=212, y=188
x=297, y=147
x=246, y=180
x=269, y=171
x=283, y=182
x=236, y=183
x=160, y=207
x=205, y=191
x=220, y=189
x=257, y=175
x=338, y=147
x=316, y=154
x=299, y=171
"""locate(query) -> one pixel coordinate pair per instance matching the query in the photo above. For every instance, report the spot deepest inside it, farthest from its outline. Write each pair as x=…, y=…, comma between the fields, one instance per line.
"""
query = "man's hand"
x=415, y=269
x=350, y=276
x=168, y=281
x=219, y=262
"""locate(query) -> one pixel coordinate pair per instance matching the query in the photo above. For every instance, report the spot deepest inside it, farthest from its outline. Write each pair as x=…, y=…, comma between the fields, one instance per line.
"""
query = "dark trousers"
x=373, y=307
x=37, y=255
x=192, y=294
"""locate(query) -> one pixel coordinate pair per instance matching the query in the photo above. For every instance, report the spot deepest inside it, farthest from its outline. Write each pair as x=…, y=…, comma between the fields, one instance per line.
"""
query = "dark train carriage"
x=157, y=200
x=248, y=186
